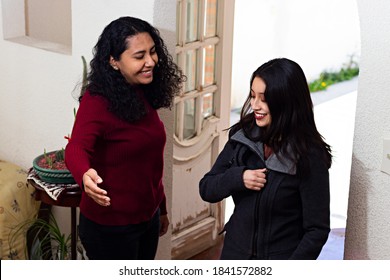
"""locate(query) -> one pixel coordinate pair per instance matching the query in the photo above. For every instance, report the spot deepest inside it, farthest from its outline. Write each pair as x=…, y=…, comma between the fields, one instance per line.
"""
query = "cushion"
x=18, y=207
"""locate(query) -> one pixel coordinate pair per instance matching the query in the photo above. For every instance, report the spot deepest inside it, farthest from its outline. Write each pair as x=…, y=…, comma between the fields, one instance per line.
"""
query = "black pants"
x=130, y=242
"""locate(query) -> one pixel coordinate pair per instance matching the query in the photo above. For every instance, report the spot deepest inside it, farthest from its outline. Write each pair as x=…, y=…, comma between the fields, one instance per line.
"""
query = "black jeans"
x=130, y=242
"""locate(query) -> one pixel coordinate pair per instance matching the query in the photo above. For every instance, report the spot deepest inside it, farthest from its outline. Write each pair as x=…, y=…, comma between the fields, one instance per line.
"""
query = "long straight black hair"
x=292, y=118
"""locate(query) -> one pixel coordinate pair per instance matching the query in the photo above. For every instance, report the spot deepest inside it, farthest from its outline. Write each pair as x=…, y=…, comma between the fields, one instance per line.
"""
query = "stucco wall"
x=368, y=227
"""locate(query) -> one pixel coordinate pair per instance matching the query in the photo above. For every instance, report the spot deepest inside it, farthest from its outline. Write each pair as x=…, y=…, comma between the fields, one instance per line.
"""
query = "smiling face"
x=258, y=103
x=136, y=63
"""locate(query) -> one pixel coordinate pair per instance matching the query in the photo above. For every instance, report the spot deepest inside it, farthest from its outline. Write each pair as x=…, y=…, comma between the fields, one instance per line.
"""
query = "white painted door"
x=202, y=111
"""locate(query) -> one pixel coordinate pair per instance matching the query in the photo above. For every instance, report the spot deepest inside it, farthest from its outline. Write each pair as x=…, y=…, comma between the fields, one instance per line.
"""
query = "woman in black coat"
x=275, y=166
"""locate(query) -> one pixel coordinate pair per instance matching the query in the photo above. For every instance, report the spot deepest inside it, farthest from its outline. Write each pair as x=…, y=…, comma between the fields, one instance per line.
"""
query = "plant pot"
x=53, y=176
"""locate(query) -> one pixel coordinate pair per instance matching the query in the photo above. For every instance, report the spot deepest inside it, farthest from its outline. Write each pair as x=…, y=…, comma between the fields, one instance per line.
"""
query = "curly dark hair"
x=288, y=97
x=103, y=80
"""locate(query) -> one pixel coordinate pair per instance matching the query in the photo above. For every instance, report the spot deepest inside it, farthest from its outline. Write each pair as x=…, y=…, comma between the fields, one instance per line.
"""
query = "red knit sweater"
x=127, y=156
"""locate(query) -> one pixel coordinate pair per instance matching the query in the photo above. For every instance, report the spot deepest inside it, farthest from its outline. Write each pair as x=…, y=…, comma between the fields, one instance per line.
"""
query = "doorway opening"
x=282, y=30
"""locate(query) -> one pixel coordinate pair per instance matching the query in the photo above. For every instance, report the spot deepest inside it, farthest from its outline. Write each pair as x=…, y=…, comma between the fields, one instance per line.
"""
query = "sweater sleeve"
x=223, y=179
x=315, y=198
x=89, y=125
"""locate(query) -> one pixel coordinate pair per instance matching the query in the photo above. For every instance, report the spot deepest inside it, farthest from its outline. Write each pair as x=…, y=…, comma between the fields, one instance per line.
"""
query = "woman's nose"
x=257, y=103
x=149, y=61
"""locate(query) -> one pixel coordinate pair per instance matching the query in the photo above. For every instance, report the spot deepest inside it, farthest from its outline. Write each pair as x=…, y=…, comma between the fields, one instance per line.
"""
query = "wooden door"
x=202, y=111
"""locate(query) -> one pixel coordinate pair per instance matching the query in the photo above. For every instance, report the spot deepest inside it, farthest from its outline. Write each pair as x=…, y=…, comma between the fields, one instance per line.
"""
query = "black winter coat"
x=288, y=219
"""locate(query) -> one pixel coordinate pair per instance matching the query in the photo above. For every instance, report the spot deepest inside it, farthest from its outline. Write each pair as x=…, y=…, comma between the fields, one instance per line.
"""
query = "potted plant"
x=50, y=166
x=48, y=241
x=45, y=240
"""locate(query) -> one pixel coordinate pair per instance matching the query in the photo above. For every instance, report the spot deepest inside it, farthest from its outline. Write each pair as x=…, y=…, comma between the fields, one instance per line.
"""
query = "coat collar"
x=275, y=162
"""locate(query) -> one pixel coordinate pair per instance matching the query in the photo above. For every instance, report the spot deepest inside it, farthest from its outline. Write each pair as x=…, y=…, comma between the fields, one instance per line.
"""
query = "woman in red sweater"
x=117, y=145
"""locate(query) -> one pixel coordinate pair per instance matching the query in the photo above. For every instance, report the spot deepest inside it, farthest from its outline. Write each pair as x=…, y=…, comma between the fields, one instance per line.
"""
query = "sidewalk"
x=334, y=91
x=335, y=121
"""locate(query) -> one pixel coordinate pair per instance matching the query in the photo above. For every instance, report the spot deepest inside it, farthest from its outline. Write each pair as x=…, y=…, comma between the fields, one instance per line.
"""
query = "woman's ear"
x=113, y=63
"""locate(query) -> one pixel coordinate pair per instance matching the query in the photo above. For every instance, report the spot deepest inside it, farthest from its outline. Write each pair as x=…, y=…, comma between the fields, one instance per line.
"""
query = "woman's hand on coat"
x=255, y=179
x=90, y=181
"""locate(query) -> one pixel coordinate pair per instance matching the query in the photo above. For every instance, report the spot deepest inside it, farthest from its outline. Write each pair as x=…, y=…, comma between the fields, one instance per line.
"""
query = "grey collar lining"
x=273, y=162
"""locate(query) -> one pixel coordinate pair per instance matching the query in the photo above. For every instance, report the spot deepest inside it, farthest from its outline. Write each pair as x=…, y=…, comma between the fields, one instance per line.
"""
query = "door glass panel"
x=198, y=61
x=192, y=20
x=207, y=105
x=178, y=21
x=210, y=26
x=177, y=123
x=209, y=65
x=190, y=70
x=189, y=119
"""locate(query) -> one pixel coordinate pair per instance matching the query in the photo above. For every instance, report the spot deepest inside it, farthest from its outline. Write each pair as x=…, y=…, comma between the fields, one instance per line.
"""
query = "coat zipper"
x=257, y=205
x=256, y=232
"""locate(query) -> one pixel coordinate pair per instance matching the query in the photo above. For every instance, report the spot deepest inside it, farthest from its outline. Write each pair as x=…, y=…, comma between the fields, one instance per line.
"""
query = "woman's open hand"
x=90, y=181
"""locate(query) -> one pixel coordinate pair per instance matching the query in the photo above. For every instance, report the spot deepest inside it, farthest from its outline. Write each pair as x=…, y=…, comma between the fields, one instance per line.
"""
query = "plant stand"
x=69, y=198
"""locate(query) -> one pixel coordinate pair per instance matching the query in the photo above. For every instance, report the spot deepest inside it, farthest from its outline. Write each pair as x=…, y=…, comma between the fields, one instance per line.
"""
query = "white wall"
x=319, y=35
x=368, y=227
x=58, y=13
